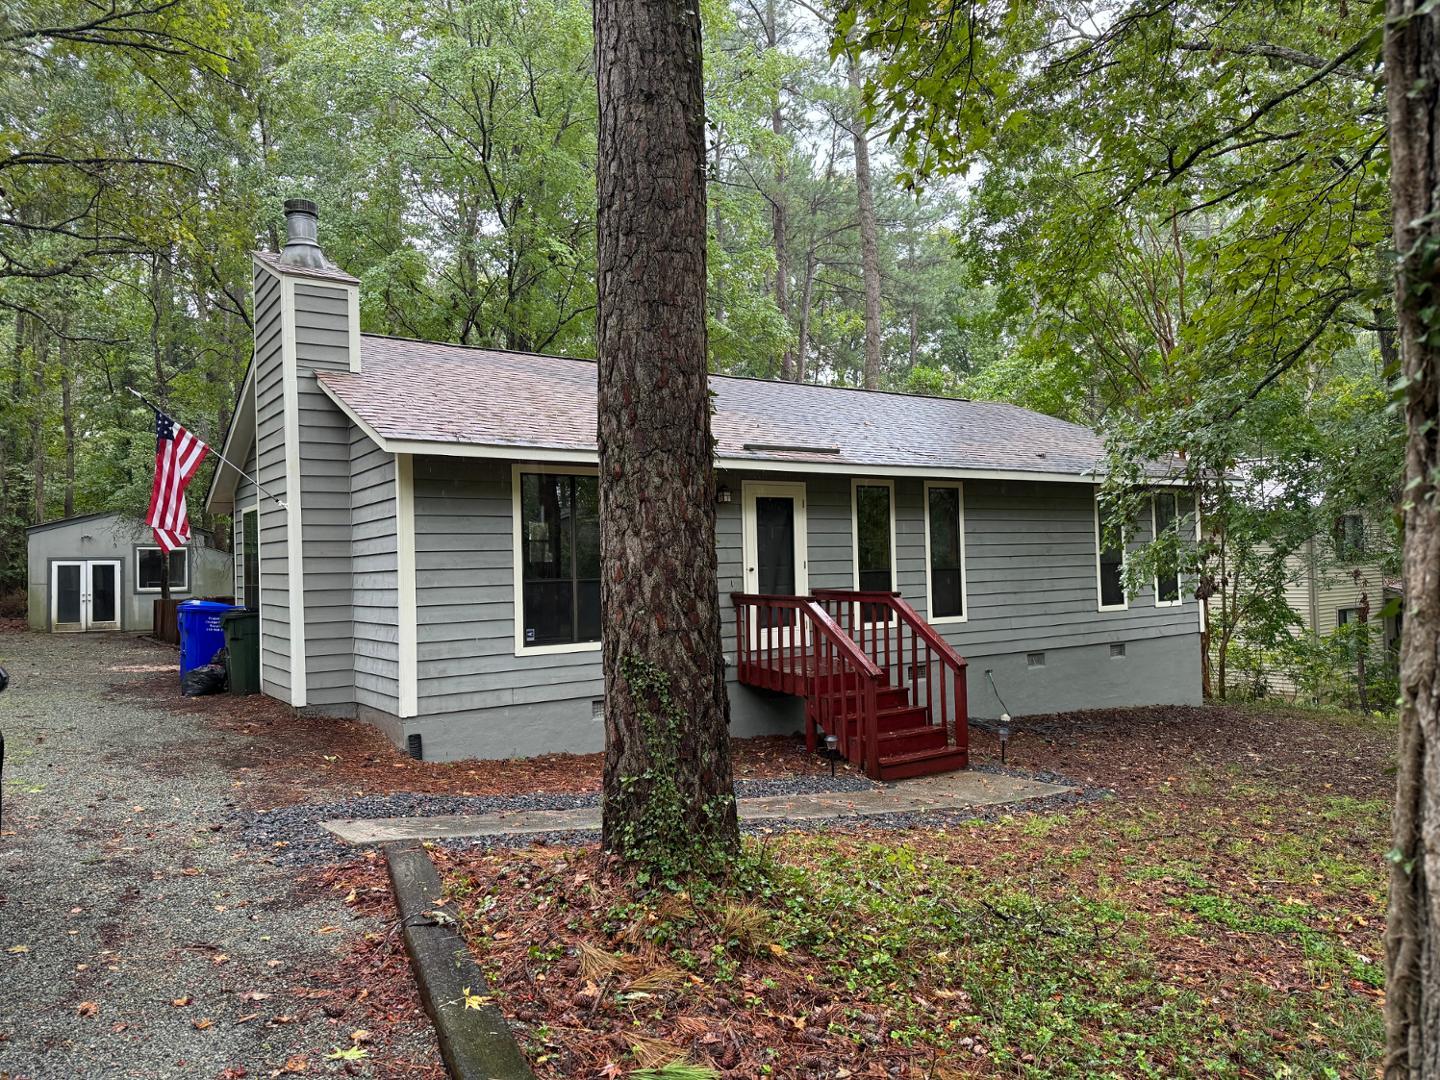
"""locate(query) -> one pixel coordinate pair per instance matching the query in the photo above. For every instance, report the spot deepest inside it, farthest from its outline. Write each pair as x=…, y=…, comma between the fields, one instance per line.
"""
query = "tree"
x=1412, y=931
x=669, y=802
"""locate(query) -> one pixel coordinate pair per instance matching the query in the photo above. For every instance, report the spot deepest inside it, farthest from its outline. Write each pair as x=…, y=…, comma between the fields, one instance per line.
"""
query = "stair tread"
x=922, y=755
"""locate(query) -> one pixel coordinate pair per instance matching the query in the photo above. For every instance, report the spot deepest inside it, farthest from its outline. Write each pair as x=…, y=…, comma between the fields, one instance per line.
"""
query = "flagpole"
x=258, y=486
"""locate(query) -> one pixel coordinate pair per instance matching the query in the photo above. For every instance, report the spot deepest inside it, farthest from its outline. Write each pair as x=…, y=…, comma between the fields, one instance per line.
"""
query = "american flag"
x=178, y=455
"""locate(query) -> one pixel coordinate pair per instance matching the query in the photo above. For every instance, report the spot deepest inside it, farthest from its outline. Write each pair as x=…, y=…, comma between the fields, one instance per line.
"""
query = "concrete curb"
x=475, y=1043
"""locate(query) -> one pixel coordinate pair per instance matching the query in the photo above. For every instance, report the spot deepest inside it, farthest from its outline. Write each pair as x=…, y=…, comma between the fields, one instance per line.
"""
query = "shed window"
x=560, y=558
x=945, y=536
x=148, y=569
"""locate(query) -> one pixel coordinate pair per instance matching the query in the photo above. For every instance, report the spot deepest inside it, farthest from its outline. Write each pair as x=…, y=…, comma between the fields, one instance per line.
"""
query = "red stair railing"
x=791, y=644
x=884, y=624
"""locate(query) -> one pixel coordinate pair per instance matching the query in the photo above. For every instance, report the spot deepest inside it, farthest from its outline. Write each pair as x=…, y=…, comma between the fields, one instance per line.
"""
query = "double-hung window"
x=1110, y=562
x=558, y=558
x=1169, y=511
x=945, y=551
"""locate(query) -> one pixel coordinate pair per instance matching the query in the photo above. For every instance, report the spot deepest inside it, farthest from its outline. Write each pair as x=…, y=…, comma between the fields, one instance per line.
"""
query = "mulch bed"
x=293, y=758
x=590, y=996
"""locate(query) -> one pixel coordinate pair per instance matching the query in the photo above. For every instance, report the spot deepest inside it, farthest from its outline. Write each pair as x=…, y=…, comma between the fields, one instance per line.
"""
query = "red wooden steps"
x=923, y=763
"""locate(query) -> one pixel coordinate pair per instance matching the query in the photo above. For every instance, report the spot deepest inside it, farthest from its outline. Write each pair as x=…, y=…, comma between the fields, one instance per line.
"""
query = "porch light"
x=722, y=494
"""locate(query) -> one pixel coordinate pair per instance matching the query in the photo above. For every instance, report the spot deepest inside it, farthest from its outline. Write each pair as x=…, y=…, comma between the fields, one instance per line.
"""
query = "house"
x=102, y=572
x=434, y=567
x=1337, y=579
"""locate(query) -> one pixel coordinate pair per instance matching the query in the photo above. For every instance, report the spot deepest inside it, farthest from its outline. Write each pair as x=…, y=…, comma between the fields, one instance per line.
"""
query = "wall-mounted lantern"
x=722, y=494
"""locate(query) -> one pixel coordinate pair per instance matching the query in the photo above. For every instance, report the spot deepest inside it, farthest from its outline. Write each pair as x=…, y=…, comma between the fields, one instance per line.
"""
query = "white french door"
x=85, y=595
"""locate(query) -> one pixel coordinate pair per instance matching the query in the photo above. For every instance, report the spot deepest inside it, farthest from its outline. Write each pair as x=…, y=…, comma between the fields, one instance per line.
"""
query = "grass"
x=1216, y=924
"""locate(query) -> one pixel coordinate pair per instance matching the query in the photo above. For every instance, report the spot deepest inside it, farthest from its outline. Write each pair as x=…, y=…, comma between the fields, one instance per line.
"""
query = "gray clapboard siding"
x=374, y=561
x=1031, y=580
x=270, y=469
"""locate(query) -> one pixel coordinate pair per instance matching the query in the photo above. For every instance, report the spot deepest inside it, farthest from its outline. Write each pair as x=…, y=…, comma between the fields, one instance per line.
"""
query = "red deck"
x=873, y=674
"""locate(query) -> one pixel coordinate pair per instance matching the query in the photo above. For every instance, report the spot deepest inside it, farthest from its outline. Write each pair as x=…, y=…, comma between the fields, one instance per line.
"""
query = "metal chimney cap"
x=301, y=248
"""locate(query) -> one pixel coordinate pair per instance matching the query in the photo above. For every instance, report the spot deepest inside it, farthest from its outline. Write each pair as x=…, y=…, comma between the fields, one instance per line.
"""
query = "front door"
x=85, y=595
x=775, y=541
x=775, y=551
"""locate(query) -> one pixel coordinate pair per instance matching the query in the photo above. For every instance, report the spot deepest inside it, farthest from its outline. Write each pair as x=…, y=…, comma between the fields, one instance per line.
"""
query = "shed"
x=102, y=572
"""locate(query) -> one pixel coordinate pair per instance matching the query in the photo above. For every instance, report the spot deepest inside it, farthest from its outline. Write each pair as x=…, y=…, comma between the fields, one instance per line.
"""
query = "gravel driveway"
x=138, y=936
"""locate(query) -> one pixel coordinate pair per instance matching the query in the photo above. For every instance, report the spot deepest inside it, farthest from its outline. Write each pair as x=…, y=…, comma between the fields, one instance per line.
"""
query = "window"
x=1347, y=615
x=945, y=551
x=1169, y=511
x=247, y=560
x=558, y=529
x=1110, y=563
x=148, y=568
x=874, y=535
x=1349, y=534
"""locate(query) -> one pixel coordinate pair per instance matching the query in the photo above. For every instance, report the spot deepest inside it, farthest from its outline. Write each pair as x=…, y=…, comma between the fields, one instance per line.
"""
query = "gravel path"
x=123, y=890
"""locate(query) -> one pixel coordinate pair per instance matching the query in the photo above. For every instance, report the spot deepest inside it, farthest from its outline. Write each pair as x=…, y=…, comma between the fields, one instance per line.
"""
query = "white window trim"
x=1155, y=535
x=964, y=615
x=518, y=566
x=856, y=483
x=1100, y=604
x=239, y=555
x=173, y=587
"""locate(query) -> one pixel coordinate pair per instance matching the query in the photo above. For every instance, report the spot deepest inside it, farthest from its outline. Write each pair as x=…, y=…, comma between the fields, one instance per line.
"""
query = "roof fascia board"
x=224, y=478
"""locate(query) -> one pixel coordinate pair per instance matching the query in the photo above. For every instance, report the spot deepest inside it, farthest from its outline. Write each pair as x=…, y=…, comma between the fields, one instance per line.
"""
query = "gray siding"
x=373, y=568
x=270, y=470
x=1031, y=576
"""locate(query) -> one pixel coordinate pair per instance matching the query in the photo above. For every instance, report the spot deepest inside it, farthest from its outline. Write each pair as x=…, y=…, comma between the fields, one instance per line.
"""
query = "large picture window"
x=559, y=529
x=945, y=551
x=148, y=570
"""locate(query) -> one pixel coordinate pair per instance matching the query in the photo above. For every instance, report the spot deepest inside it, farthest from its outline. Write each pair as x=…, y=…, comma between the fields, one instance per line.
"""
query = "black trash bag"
x=209, y=679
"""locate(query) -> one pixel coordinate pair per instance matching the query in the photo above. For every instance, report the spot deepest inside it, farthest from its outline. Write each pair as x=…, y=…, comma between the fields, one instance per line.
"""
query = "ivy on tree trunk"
x=1412, y=999
x=669, y=799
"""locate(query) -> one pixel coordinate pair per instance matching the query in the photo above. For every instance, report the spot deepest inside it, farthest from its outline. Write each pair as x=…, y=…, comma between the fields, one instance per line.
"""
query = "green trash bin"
x=242, y=646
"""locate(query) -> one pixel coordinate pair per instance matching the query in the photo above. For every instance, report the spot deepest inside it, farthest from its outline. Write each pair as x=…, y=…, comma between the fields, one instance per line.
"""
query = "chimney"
x=301, y=249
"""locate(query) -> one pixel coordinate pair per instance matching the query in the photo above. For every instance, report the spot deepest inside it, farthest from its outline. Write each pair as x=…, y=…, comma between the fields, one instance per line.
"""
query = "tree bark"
x=869, y=240
x=37, y=421
x=1412, y=934
x=779, y=207
x=668, y=794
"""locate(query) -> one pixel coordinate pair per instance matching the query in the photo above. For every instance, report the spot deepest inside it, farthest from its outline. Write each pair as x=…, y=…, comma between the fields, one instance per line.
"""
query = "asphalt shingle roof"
x=426, y=391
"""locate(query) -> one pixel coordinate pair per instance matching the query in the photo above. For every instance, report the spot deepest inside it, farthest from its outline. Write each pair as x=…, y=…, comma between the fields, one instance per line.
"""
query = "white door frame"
x=87, y=595
x=749, y=491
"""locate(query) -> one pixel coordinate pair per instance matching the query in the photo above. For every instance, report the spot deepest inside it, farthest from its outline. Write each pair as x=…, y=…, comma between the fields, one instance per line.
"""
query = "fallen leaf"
x=88, y=1008
x=181, y=1002
x=203, y=1023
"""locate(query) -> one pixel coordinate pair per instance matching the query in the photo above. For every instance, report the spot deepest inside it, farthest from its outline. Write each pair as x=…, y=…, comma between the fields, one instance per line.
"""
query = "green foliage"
x=669, y=834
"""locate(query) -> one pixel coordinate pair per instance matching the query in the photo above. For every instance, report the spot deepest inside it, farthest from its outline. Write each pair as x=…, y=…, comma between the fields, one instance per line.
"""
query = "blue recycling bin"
x=202, y=633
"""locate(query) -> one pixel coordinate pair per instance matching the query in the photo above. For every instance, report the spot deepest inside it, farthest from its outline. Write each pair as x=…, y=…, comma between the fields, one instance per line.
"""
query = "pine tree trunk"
x=869, y=240
x=1412, y=994
x=67, y=420
x=779, y=208
x=669, y=798
x=37, y=422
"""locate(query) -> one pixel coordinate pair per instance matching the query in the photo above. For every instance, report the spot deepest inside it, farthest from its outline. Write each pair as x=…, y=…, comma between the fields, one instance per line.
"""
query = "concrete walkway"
x=953, y=791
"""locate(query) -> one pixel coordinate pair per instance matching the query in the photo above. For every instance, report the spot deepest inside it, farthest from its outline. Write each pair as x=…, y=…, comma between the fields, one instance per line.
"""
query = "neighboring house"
x=102, y=572
x=426, y=552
